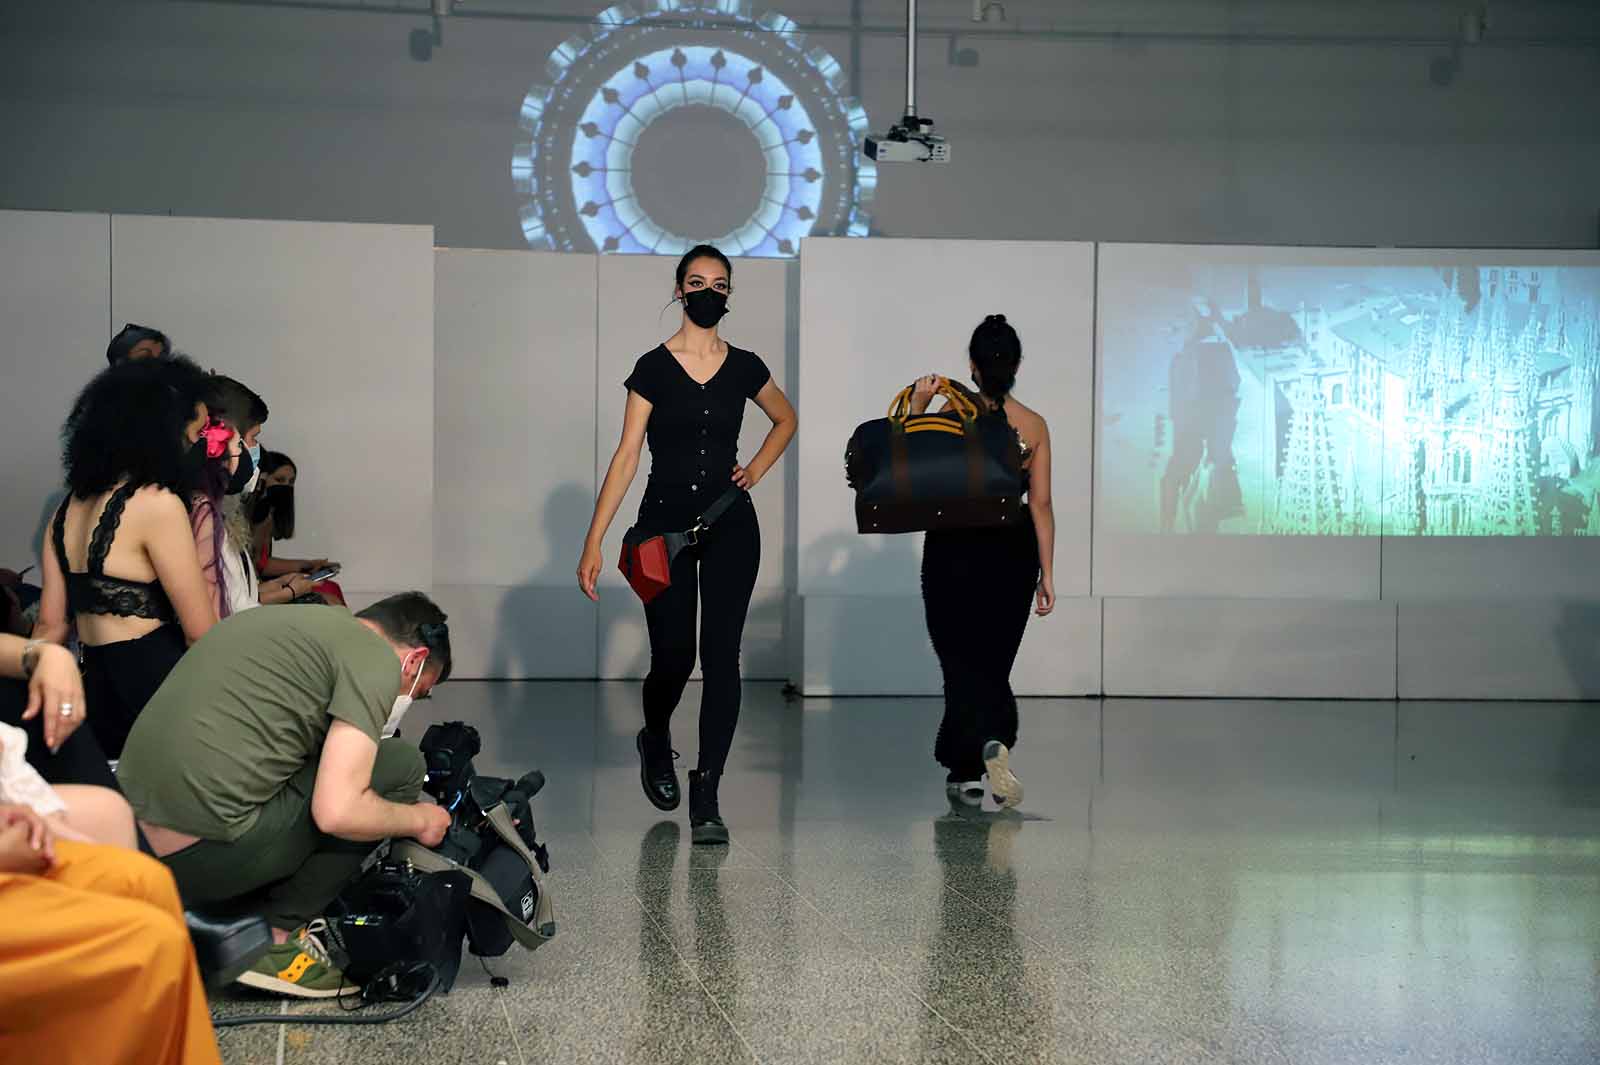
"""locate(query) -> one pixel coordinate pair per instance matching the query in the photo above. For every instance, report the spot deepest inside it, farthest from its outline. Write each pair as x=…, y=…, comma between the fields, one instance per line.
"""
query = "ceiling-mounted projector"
x=911, y=140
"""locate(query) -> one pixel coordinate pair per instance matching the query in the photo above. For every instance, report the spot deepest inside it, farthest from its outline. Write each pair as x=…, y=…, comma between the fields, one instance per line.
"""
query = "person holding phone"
x=687, y=398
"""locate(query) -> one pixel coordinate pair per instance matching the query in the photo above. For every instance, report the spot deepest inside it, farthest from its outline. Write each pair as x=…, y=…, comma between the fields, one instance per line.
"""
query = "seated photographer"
x=258, y=773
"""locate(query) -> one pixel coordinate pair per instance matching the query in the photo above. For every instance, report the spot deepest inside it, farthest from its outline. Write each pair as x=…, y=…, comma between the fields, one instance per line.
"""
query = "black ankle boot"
x=656, y=771
x=705, y=820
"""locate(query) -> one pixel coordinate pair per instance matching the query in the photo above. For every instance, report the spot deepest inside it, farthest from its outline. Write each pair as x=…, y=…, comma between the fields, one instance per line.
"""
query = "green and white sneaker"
x=300, y=968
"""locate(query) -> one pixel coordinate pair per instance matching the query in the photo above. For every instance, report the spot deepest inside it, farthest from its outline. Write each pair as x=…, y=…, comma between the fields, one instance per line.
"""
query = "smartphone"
x=326, y=573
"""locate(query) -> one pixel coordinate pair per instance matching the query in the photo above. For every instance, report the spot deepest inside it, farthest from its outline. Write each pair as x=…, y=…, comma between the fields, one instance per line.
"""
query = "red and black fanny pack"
x=647, y=559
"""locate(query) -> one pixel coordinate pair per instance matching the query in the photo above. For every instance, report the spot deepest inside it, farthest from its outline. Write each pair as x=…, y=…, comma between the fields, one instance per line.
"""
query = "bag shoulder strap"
x=720, y=507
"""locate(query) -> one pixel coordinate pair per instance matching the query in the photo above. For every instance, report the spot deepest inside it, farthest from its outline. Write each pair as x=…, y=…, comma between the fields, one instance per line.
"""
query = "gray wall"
x=1189, y=127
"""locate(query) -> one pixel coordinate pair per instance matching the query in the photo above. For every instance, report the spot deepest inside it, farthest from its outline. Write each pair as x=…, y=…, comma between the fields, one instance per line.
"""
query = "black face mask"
x=705, y=306
x=277, y=503
x=194, y=464
x=241, y=476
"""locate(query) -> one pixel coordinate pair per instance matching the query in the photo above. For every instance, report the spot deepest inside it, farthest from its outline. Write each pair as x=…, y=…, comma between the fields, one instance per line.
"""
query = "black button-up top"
x=693, y=432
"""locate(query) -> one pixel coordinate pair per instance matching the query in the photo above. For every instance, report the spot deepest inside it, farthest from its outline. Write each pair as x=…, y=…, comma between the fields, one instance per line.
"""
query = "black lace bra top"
x=93, y=592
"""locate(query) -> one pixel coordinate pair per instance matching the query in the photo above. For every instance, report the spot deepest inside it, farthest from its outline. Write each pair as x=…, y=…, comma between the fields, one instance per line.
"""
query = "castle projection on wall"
x=1332, y=401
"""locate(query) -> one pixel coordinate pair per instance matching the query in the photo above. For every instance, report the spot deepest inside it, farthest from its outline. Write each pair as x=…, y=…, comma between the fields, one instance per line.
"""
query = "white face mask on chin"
x=402, y=703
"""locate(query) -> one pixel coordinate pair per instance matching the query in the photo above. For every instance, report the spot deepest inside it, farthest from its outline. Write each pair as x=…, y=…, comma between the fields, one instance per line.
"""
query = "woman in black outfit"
x=687, y=398
x=977, y=586
x=119, y=557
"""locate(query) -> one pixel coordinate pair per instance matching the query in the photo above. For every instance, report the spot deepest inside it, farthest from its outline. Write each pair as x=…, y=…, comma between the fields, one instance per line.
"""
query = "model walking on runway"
x=977, y=586
x=687, y=398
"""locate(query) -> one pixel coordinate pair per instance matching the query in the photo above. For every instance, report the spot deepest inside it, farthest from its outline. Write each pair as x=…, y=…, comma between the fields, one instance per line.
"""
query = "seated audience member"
x=41, y=693
x=258, y=774
x=211, y=483
x=96, y=965
x=241, y=410
x=46, y=678
x=274, y=520
x=137, y=342
x=119, y=559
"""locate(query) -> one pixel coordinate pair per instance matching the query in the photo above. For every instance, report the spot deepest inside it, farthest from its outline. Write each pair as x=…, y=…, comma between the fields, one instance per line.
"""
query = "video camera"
x=448, y=750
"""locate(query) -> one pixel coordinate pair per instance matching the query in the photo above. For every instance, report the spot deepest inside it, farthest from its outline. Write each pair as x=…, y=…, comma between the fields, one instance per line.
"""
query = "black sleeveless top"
x=693, y=431
x=94, y=592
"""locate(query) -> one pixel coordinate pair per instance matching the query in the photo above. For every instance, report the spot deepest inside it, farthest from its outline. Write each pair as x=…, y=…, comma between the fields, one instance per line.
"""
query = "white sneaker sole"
x=263, y=982
x=1003, y=783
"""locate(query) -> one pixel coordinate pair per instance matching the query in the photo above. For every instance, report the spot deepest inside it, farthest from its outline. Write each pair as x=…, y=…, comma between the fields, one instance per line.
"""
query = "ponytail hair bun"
x=996, y=351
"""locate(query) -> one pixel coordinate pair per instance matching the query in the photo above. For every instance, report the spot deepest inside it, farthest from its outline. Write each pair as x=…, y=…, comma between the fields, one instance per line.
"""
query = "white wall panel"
x=874, y=316
x=1249, y=648
x=55, y=292
x=333, y=325
x=514, y=380
x=1500, y=650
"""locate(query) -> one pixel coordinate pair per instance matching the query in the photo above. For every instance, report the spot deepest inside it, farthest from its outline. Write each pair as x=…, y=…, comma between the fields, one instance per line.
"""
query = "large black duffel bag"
x=959, y=468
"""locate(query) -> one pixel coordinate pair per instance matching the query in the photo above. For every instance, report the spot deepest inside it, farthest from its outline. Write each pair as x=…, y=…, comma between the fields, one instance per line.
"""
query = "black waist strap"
x=719, y=508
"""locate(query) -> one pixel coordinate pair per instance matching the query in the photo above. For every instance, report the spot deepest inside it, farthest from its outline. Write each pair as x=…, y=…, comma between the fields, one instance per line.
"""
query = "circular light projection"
x=749, y=142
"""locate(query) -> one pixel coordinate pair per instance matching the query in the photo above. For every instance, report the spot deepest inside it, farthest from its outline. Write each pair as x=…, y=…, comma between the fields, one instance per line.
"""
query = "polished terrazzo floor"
x=1189, y=882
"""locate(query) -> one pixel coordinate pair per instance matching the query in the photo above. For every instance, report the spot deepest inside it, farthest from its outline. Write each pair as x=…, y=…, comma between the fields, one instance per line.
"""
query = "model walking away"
x=978, y=584
x=687, y=398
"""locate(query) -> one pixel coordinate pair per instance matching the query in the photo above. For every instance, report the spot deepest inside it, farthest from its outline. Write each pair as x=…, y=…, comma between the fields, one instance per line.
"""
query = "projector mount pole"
x=911, y=63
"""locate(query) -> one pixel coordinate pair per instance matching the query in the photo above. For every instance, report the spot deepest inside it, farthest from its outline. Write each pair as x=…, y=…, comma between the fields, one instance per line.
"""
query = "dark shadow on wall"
x=521, y=622
x=851, y=561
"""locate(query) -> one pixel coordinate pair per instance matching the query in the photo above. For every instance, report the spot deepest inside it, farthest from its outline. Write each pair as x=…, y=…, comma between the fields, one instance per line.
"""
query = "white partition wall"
x=333, y=326
x=55, y=291
x=1416, y=436
x=635, y=316
x=874, y=316
x=514, y=387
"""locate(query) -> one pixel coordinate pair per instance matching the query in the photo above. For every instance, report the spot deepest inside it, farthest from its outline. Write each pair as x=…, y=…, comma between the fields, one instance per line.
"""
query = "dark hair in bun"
x=996, y=351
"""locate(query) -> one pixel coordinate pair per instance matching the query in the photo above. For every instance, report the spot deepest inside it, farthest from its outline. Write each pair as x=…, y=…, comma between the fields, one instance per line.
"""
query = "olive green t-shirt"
x=247, y=708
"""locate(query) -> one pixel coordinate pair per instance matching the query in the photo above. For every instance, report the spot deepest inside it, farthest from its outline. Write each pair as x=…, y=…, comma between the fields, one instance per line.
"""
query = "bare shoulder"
x=1029, y=422
x=154, y=504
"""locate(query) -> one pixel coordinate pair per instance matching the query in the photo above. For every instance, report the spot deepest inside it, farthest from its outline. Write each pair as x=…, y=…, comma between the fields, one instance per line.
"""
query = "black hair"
x=275, y=501
x=234, y=404
x=702, y=251
x=411, y=619
x=996, y=351
x=124, y=342
x=129, y=423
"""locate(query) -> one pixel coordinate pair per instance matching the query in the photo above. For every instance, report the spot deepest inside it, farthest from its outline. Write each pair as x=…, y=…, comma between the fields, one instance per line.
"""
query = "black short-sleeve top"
x=693, y=431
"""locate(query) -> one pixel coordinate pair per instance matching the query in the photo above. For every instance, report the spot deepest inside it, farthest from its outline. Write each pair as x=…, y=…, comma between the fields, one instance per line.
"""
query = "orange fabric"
x=96, y=965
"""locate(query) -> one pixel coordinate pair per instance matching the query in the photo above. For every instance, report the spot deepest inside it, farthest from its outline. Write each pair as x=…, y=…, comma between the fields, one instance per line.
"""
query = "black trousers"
x=119, y=679
x=977, y=590
x=718, y=576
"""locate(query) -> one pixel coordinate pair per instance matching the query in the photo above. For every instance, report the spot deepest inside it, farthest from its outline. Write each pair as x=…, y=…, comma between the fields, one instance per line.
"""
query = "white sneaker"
x=1003, y=783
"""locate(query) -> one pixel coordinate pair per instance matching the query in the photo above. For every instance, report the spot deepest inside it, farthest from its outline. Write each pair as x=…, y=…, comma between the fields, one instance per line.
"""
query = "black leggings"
x=722, y=569
x=119, y=679
x=977, y=589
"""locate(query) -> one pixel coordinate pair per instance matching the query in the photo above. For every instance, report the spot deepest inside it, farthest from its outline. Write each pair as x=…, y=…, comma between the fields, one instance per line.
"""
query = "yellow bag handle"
x=953, y=394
